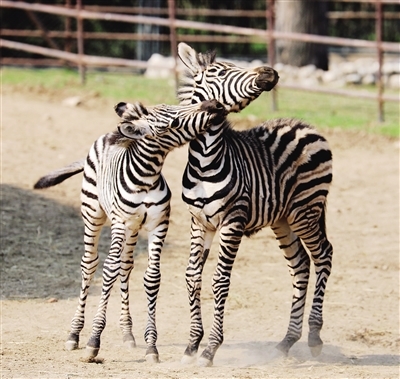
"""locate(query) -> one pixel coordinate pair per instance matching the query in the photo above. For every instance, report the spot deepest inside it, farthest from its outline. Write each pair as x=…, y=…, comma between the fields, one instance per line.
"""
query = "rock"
x=368, y=79
x=306, y=71
x=160, y=67
x=394, y=81
x=72, y=101
x=353, y=78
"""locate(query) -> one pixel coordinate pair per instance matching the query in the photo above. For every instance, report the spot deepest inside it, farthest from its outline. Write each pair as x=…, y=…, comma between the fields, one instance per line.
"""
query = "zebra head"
x=173, y=125
x=234, y=87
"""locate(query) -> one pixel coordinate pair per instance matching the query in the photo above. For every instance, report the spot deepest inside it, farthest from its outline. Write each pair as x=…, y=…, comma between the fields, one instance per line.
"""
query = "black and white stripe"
x=123, y=182
x=236, y=183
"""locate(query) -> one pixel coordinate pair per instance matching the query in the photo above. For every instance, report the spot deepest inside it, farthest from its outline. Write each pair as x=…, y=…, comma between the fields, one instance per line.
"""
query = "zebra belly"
x=142, y=209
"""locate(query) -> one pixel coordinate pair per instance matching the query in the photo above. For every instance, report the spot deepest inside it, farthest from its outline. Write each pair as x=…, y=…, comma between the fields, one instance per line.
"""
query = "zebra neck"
x=144, y=159
x=209, y=146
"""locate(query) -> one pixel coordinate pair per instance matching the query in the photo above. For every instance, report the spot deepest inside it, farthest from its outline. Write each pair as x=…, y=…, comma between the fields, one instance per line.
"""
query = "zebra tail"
x=58, y=176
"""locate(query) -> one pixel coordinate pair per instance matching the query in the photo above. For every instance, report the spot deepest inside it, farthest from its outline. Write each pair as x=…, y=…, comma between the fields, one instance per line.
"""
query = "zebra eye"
x=222, y=73
x=175, y=123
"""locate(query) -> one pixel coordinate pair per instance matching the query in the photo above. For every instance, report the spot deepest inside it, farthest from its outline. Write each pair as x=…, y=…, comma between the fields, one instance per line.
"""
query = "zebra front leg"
x=111, y=269
x=298, y=262
x=152, y=279
x=127, y=263
x=230, y=238
x=200, y=247
x=89, y=262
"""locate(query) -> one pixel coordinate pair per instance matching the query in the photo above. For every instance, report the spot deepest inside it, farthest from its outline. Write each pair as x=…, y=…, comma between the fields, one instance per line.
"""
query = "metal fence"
x=234, y=34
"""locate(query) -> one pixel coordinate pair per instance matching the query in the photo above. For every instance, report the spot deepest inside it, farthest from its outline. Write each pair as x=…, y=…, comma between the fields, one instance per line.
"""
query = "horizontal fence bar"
x=367, y=1
x=385, y=46
x=227, y=12
x=75, y=58
x=335, y=15
x=131, y=36
x=339, y=92
x=179, y=11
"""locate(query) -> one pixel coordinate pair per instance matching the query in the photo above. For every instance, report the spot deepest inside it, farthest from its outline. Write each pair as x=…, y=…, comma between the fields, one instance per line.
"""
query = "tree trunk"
x=302, y=16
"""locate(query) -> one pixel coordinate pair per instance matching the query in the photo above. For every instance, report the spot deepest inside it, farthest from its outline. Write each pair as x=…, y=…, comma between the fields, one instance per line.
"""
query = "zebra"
x=237, y=182
x=206, y=78
x=122, y=181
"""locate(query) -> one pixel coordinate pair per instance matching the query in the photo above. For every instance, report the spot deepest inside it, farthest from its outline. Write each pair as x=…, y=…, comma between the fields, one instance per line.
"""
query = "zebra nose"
x=267, y=78
x=212, y=106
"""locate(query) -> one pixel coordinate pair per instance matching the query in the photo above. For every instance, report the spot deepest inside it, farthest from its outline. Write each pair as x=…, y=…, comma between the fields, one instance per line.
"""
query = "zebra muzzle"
x=267, y=78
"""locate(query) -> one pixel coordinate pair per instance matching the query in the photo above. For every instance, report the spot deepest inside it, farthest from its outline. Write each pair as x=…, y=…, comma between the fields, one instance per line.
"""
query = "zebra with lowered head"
x=236, y=183
x=122, y=181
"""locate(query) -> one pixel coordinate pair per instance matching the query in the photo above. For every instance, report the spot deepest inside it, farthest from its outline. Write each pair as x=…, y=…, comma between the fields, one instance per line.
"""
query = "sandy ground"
x=41, y=247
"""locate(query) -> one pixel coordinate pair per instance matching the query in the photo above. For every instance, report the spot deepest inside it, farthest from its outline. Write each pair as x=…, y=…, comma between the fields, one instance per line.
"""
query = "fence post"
x=172, y=37
x=270, y=18
x=79, y=23
x=67, y=41
x=378, y=33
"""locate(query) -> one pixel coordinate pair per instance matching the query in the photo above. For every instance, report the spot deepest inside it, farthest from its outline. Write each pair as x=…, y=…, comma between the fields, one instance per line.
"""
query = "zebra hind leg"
x=298, y=262
x=313, y=234
x=127, y=264
x=89, y=263
x=111, y=270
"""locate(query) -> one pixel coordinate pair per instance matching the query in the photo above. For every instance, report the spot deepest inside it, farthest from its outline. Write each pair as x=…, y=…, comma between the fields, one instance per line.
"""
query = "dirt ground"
x=41, y=247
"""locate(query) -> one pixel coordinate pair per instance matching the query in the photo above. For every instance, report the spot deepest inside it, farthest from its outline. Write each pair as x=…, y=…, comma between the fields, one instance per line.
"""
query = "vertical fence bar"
x=79, y=25
x=172, y=37
x=378, y=32
x=67, y=42
x=270, y=18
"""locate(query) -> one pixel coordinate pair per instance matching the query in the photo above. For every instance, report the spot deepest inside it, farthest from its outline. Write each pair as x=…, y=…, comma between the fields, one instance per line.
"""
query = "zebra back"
x=279, y=165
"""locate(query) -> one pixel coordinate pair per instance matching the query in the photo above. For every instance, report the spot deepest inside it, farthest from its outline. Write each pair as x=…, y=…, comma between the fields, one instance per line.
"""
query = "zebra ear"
x=189, y=57
x=134, y=130
x=130, y=112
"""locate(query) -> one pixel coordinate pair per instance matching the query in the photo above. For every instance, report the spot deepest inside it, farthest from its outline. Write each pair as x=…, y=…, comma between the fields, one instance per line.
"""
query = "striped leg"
x=200, y=247
x=230, y=238
x=127, y=264
x=94, y=220
x=310, y=227
x=152, y=279
x=298, y=262
x=111, y=271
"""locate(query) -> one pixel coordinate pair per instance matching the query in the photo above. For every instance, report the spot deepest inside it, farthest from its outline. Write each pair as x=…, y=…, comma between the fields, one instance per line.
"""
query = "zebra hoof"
x=315, y=344
x=188, y=360
x=71, y=345
x=204, y=362
x=130, y=344
x=283, y=348
x=285, y=345
x=91, y=352
x=316, y=350
x=152, y=358
x=129, y=341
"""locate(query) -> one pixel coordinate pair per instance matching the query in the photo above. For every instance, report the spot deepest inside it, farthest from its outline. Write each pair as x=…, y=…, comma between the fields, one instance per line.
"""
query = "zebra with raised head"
x=122, y=181
x=236, y=183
